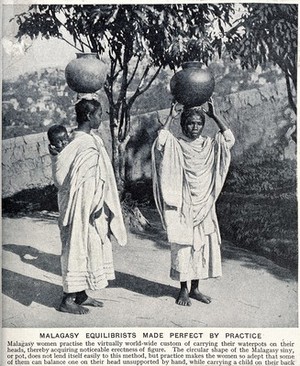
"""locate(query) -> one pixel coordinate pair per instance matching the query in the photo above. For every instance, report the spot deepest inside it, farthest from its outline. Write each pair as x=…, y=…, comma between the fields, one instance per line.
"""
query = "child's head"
x=58, y=137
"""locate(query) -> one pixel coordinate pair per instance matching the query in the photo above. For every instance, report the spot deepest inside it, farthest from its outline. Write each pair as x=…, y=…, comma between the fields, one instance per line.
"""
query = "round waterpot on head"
x=86, y=73
x=193, y=85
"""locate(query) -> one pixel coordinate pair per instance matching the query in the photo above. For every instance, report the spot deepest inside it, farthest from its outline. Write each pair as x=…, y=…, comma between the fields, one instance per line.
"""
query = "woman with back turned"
x=89, y=210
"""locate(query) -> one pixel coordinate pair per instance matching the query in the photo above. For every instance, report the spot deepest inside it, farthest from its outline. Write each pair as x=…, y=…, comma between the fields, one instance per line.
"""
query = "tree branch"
x=141, y=91
x=71, y=44
x=134, y=71
x=289, y=91
x=124, y=82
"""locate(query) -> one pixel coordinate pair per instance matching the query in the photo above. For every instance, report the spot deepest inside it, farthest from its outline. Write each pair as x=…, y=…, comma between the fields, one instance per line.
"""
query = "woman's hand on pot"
x=211, y=109
x=174, y=110
x=211, y=113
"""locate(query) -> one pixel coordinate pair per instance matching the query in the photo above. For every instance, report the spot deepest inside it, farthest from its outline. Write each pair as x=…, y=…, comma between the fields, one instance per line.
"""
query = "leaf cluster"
x=265, y=32
x=167, y=34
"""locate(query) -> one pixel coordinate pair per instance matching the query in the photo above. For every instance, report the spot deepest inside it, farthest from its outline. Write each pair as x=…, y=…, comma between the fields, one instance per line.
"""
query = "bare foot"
x=183, y=298
x=83, y=299
x=197, y=295
x=92, y=302
x=68, y=305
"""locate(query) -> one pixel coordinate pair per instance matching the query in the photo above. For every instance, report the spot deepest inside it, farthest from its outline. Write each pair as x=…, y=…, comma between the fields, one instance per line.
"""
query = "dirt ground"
x=253, y=291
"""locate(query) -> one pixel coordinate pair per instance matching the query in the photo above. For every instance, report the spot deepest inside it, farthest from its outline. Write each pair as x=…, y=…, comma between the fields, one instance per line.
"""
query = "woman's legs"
x=82, y=298
x=196, y=294
x=183, y=297
x=68, y=304
x=72, y=303
x=187, y=263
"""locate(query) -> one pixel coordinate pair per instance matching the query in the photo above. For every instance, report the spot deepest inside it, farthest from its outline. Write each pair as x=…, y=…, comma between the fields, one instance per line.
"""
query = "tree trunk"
x=131, y=212
x=291, y=102
x=117, y=158
x=289, y=92
x=119, y=113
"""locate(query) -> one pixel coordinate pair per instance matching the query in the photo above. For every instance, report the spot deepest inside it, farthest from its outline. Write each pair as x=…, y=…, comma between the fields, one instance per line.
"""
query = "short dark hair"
x=55, y=129
x=86, y=107
x=189, y=112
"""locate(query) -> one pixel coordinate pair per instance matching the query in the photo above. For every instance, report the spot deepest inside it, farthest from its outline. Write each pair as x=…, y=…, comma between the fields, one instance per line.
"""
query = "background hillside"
x=34, y=101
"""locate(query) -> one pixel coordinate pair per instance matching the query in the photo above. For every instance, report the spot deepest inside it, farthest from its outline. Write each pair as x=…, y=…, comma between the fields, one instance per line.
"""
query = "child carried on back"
x=58, y=137
x=58, y=140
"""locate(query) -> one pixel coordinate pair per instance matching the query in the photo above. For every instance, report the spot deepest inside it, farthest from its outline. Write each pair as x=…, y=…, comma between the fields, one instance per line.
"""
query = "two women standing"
x=189, y=171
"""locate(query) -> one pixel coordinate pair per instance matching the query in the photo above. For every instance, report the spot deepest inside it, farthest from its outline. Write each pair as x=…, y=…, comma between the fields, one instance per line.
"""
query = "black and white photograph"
x=149, y=170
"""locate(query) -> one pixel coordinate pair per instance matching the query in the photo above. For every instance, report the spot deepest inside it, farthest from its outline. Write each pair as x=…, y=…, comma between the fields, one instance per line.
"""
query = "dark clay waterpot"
x=86, y=73
x=192, y=86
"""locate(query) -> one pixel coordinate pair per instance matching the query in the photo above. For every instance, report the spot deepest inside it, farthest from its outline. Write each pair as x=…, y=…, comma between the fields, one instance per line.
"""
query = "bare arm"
x=172, y=115
x=211, y=113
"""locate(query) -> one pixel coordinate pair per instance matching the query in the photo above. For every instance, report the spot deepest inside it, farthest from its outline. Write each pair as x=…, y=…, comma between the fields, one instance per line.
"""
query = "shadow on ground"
x=29, y=255
x=27, y=290
x=247, y=258
x=142, y=286
x=30, y=200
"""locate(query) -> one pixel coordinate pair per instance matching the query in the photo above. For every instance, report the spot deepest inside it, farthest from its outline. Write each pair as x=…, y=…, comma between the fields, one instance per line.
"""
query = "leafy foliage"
x=168, y=35
x=267, y=32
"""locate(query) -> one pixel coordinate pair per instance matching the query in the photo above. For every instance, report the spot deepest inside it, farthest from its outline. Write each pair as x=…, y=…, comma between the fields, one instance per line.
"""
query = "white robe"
x=86, y=189
x=187, y=179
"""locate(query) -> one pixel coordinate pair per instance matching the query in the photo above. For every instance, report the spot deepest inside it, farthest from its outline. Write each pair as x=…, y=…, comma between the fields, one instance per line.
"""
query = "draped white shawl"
x=83, y=159
x=187, y=179
x=89, y=210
